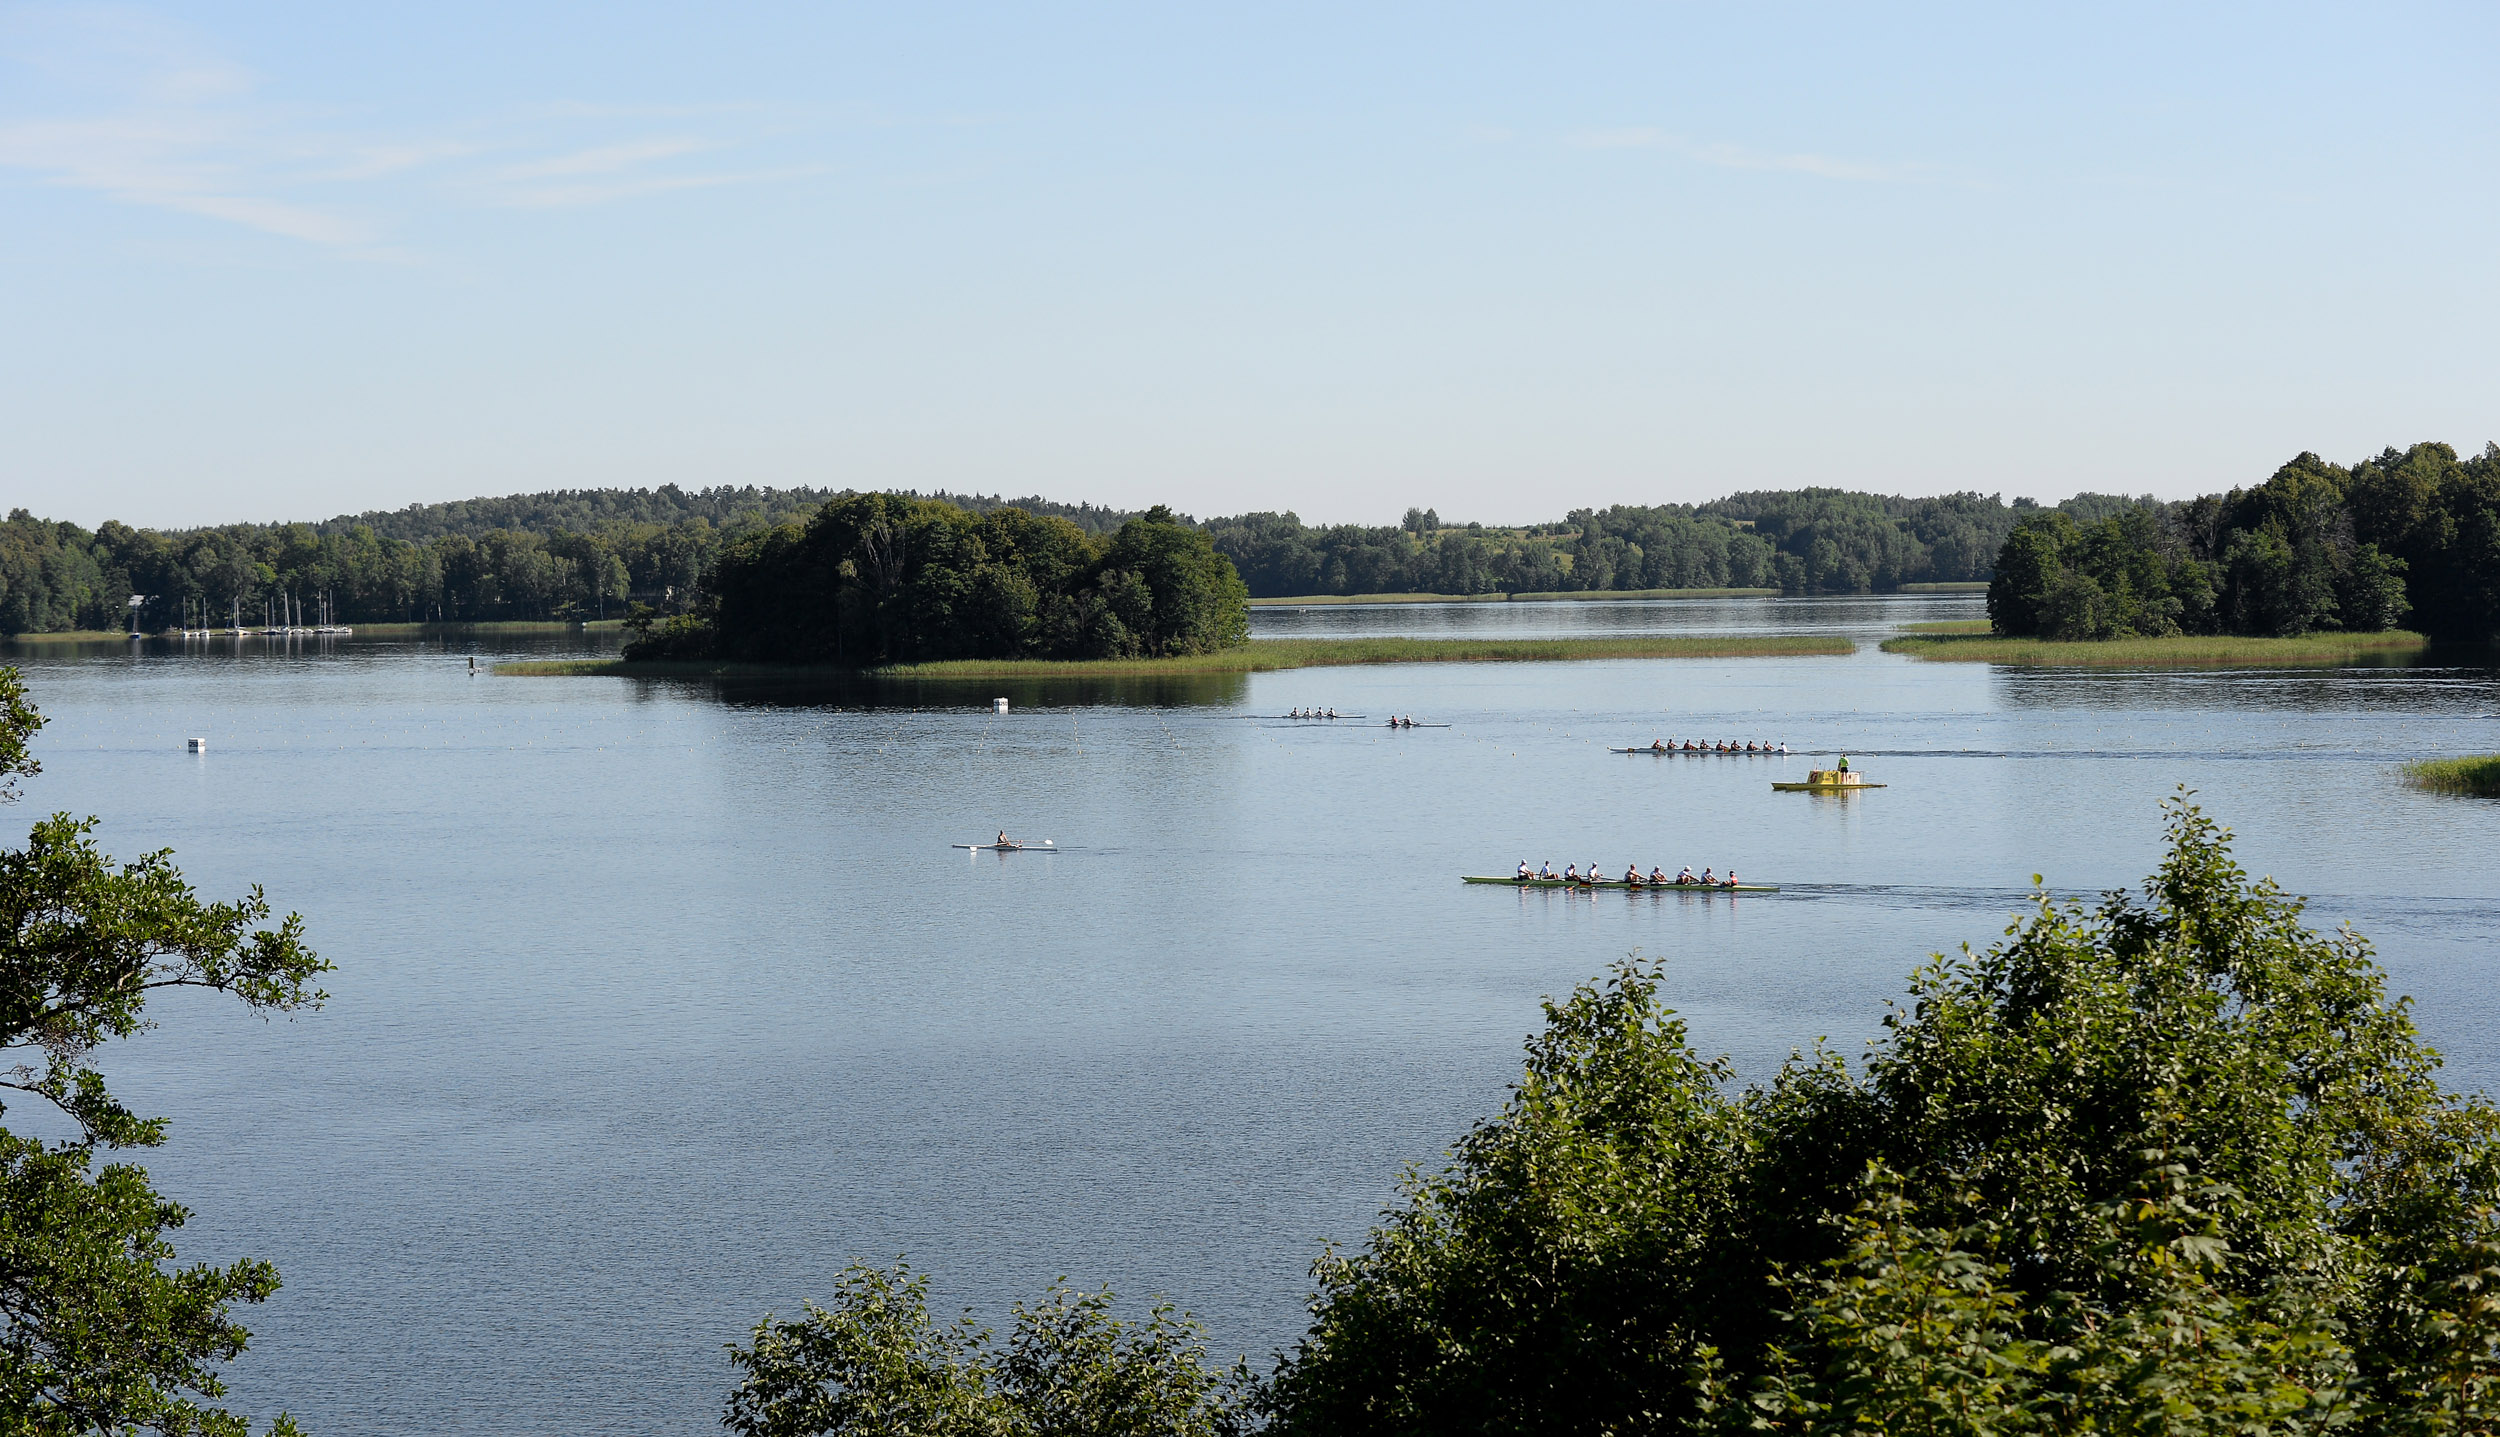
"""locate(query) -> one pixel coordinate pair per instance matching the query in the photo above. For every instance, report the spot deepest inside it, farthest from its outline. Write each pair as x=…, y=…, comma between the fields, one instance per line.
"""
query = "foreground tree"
x=2173, y=1164
x=98, y=1331
x=876, y=1364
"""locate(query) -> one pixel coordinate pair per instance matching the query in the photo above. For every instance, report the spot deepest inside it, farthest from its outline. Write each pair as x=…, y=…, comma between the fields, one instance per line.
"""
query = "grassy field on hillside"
x=1265, y=655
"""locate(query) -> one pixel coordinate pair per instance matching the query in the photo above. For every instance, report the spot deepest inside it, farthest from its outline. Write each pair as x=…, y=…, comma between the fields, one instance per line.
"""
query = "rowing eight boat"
x=1619, y=883
x=1707, y=752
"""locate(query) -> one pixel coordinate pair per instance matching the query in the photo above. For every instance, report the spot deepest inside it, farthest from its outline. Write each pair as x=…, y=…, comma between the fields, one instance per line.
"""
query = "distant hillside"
x=599, y=511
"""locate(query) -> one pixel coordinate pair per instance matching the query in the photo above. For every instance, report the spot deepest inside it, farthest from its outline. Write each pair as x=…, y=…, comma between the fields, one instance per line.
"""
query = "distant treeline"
x=590, y=552
x=568, y=554
x=2412, y=536
x=1808, y=541
x=875, y=579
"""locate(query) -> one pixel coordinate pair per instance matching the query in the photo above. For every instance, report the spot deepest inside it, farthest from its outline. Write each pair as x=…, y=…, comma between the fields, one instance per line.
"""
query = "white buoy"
x=998, y=705
x=197, y=745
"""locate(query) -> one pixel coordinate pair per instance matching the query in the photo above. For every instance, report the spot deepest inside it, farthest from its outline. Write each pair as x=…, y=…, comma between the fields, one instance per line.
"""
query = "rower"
x=1686, y=876
x=1523, y=870
x=1571, y=873
x=1002, y=839
x=1546, y=872
x=1632, y=876
x=1656, y=747
x=1708, y=881
x=1658, y=876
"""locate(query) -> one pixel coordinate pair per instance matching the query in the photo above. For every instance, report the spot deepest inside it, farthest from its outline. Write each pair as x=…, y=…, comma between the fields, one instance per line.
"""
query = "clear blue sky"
x=288, y=260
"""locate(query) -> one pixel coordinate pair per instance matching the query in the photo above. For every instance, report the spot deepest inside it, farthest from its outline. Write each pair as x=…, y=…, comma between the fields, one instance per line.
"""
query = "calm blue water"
x=658, y=1002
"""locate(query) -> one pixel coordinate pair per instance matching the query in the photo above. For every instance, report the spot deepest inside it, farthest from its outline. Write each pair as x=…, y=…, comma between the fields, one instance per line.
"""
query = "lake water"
x=658, y=1002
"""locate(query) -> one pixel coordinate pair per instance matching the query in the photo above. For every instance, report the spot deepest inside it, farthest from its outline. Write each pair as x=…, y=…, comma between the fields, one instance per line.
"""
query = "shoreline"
x=389, y=630
x=2175, y=651
x=1258, y=656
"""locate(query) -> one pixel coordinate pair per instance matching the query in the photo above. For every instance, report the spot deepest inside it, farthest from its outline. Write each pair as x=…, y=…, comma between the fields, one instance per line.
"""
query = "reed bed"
x=1266, y=655
x=1566, y=596
x=2478, y=775
x=1308, y=600
x=2177, y=651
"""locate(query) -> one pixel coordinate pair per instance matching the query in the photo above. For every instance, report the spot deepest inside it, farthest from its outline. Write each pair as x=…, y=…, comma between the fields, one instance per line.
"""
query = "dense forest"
x=879, y=578
x=2317, y=545
x=2410, y=536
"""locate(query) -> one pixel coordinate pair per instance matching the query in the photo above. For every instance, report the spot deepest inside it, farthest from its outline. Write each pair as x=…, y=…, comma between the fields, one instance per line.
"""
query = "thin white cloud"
x=168, y=122
x=378, y=161
x=1740, y=157
x=166, y=161
x=568, y=196
x=145, y=114
x=603, y=160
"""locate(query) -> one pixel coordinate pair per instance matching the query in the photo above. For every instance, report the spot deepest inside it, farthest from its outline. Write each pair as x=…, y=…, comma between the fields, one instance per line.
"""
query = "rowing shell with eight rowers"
x=1573, y=877
x=1688, y=746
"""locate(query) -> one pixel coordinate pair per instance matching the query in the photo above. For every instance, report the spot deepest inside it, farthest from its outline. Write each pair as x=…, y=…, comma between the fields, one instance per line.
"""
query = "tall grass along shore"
x=2478, y=775
x=2176, y=651
x=1264, y=655
x=1566, y=596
